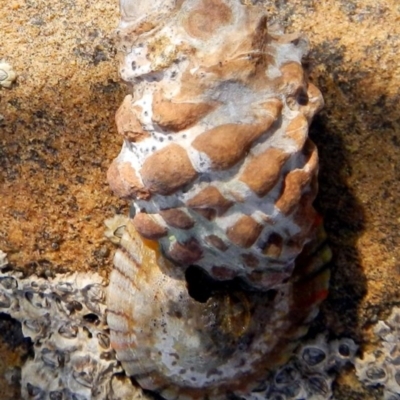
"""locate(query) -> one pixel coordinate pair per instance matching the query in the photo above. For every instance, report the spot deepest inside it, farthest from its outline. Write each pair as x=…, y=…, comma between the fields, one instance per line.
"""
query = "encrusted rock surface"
x=380, y=367
x=65, y=320
x=57, y=140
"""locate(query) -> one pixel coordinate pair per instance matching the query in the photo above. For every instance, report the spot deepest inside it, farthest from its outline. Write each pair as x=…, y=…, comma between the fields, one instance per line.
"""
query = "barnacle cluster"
x=309, y=373
x=382, y=366
x=65, y=319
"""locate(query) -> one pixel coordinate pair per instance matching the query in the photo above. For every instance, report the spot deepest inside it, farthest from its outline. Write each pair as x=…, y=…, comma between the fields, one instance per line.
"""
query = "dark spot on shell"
x=56, y=395
x=344, y=350
x=74, y=306
x=91, y=318
x=302, y=98
x=34, y=391
x=313, y=356
x=201, y=286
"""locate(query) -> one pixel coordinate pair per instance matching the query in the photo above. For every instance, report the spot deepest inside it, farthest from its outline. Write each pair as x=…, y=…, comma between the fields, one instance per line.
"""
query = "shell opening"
x=201, y=286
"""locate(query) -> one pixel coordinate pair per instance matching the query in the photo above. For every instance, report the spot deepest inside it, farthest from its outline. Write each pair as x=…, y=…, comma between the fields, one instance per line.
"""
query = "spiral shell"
x=188, y=349
x=219, y=270
x=216, y=156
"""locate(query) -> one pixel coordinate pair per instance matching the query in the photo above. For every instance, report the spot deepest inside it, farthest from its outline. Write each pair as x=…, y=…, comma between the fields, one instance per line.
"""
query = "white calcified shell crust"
x=65, y=319
x=382, y=367
x=216, y=157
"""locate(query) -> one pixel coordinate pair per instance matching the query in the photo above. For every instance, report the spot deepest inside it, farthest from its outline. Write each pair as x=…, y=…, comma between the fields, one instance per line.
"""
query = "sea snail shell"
x=187, y=349
x=222, y=176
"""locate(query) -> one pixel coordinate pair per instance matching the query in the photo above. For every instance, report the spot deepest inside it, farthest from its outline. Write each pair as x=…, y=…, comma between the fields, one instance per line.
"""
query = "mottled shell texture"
x=189, y=349
x=218, y=272
x=216, y=156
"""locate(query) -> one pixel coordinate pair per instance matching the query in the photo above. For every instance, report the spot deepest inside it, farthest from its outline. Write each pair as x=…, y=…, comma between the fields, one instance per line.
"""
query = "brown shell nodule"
x=215, y=279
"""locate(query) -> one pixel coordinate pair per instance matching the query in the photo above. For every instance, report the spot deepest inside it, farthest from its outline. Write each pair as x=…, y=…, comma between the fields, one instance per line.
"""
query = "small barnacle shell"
x=394, y=319
x=5, y=300
x=36, y=327
x=34, y=392
x=286, y=375
x=53, y=359
x=370, y=371
x=104, y=340
x=84, y=369
x=384, y=331
x=8, y=282
x=64, y=287
x=314, y=356
x=115, y=227
x=319, y=386
x=7, y=75
x=68, y=330
x=343, y=351
x=37, y=300
x=288, y=381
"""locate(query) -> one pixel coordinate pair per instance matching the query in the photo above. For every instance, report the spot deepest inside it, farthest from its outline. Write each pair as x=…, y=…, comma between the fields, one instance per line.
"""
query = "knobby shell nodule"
x=219, y=269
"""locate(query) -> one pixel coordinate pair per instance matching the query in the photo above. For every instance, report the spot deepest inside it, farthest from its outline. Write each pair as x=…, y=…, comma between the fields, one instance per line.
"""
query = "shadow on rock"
x=344, y=222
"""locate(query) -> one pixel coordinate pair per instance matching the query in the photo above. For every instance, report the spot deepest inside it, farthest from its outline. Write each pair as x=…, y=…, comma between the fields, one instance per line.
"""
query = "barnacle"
x=7, y=74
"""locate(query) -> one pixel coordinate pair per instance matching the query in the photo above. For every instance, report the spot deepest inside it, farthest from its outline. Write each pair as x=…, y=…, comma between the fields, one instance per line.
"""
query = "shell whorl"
x=222, y=176
x=186, y=349
x=216, y=157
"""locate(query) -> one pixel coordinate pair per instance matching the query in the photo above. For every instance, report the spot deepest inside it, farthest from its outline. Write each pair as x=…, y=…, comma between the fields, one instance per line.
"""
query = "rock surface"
x=57, y=139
